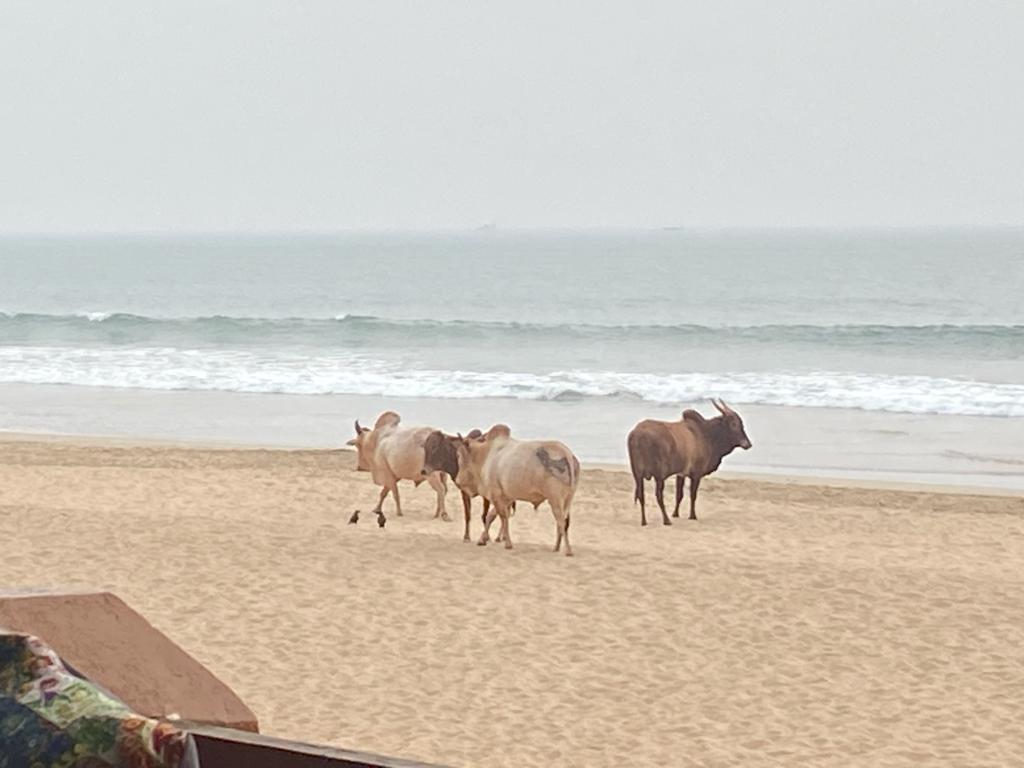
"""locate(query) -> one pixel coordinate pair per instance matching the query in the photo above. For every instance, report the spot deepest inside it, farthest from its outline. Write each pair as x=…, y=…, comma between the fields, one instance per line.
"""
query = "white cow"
x=505, y=470
x=391, y=453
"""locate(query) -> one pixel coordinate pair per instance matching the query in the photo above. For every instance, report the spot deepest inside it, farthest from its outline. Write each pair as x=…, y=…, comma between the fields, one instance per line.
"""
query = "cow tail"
x=638, y=479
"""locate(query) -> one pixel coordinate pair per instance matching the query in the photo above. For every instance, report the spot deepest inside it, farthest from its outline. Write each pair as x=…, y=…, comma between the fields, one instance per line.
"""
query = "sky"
x=295, y=116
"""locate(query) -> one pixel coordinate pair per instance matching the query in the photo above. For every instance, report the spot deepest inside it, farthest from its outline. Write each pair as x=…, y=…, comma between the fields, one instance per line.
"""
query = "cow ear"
x=353, y=441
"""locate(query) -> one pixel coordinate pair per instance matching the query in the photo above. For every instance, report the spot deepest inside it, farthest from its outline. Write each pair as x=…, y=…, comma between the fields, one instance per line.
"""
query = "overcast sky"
x=254, y=115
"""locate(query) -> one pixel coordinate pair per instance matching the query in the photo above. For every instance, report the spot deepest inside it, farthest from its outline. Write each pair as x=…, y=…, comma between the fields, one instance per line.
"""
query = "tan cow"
x=691, y=447
x=440, y=451
x=505, y=470
x=391, y=453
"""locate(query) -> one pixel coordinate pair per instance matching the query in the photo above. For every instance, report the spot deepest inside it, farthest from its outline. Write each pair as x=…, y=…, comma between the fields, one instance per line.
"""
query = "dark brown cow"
x=691, y=447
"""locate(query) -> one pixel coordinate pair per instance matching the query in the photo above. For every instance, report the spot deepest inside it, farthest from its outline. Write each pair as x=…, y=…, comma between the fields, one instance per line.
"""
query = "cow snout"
x=746, y=445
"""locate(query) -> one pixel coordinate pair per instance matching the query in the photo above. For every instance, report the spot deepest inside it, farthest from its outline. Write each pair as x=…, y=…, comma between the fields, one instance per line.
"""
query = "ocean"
x=911, y=333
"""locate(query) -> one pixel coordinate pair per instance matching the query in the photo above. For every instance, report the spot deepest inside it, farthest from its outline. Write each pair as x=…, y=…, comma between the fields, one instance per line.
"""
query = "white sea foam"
x=274, y=371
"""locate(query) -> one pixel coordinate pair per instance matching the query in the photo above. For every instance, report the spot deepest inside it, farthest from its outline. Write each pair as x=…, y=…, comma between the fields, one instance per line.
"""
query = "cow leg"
x=437, y=482
x=659, y=494
x=467, y=503
x=398, y=501
x=502, y=512
x=380, y=502
x=485, y=534
x=679, y=494
x=485, y=521
x=638, y=495
x=694, y=485
x=501, y=529
x=561, y=514
x=377, y=510
x=504, y=534
x=568, y=517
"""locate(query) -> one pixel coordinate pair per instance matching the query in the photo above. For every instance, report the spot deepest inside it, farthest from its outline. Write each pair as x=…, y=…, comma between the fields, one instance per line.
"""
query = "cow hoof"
x=381, y=521
x=354, y=519
x=446, y=518
x=667, y=521
x=568, y=553
x=481, y=543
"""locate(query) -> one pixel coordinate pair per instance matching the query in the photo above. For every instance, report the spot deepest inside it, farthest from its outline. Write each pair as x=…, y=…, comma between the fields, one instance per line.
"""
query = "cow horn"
x=725, y=410
x=359, y=430
x=459, y=435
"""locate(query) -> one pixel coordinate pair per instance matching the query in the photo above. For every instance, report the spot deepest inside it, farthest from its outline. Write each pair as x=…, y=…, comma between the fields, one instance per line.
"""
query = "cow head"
x=440, y=454
x=471, y=449
x=358, y=441
x=448, y=453
x=733, y=426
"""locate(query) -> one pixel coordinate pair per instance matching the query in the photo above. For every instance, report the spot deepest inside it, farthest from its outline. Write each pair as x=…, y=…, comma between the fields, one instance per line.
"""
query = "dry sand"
x=794, y=624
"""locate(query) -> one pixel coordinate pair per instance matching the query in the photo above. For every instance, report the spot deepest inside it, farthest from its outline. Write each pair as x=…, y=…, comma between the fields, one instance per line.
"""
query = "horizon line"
x=496, y=229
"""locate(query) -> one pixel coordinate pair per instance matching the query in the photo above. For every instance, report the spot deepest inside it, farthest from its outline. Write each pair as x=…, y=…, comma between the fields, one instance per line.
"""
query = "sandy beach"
x=794, y=624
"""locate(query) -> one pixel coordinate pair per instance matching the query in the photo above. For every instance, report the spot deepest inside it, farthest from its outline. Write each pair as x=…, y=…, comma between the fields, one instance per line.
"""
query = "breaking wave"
x=353, y=373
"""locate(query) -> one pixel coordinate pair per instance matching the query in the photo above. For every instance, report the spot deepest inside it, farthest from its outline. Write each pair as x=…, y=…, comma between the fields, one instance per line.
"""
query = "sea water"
x=900, y=326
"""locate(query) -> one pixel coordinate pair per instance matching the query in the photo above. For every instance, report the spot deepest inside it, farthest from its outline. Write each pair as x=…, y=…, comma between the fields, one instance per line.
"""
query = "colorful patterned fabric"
x=51, y=717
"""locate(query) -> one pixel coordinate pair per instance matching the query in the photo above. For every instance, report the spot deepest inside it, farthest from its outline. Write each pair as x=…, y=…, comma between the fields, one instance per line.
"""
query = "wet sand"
x=965, y=451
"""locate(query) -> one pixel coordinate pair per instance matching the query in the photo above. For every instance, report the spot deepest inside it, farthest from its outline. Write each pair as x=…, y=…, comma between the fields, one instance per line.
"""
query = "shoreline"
x=832, y=444
x=812, y=480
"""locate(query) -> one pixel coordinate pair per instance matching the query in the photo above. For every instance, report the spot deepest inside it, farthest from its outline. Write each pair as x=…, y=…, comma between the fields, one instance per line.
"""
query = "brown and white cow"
x=391, y=453
x=441, y=451
x=505, y=470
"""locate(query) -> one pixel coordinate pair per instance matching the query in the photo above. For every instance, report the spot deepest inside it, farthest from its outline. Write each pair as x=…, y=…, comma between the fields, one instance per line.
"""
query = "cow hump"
x=387, y=419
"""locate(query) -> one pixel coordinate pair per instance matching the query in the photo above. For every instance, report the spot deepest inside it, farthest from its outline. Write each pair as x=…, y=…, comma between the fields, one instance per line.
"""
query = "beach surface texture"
x=794, y=623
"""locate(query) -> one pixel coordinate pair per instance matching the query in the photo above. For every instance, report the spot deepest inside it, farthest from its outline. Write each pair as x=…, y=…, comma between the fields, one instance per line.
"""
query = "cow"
x=440, y=451
x=504, y=470
x=691, y=447
x=391, y=453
